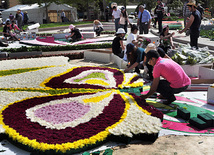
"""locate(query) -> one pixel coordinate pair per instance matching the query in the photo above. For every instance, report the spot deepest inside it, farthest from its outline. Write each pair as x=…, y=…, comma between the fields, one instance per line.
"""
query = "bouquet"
x=146, y=41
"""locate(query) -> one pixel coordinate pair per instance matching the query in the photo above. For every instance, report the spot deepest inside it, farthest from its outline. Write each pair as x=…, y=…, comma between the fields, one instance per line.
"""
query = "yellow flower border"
x=65, y=146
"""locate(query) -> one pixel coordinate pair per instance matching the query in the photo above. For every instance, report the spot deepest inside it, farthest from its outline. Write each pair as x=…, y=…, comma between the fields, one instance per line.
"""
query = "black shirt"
x=6, y=29
x=76, y=33
x=116, y=49
x=196, y=23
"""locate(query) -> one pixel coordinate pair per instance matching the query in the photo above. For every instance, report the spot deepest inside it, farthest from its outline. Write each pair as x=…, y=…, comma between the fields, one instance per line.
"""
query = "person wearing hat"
x=175, y=79
x=160, y=13
x=98, y=27
x=135, y=57
x=75, y=34
x=117, y=44
x=193, y=24
x=186, y=12
x=116, y=17
x=124, y=20
x=166, y=41
x=148, y=69
x=144, y=20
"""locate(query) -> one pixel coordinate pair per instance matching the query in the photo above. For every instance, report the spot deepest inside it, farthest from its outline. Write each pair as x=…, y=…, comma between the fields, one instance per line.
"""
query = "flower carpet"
x=52, y=106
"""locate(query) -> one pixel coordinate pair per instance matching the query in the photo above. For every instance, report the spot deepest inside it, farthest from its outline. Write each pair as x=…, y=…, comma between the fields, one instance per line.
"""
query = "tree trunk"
x=88, y=13
x=46, y=10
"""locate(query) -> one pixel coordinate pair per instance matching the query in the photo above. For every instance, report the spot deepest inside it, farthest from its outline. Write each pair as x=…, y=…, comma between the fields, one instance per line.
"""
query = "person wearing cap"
x=75, y=34
x=175, y=79
x=133, y=38
x=148, y=69
x=135, y=56
x=193, y=24
x=166, y=41
x=117, y=44
x=144, y=20
x=160, y=13
x=124, y=20
x=98, y=27
x=116, y=17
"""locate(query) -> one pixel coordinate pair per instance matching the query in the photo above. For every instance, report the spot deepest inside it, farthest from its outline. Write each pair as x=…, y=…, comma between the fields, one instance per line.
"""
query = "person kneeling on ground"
x=135, y=56
x=117, y=44
x=98, y=27
x=7, y=32
x=75, y=34
x=148, y=68
x=176, y=80
x=166, y=41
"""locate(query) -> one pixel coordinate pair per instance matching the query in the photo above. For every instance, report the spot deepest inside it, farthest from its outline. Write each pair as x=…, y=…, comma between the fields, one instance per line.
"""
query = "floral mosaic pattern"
x=68, y=121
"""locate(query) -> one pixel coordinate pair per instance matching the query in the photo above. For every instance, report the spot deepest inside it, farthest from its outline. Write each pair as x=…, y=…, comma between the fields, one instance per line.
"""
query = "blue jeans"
x=116, y=22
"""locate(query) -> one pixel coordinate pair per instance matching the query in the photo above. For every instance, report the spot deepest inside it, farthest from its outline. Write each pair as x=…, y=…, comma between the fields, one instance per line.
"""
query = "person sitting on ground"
x=135, y=57
x=14, y=27
x=98, y=27
x=148, y=69
x=166, y=41
x=176, y=80
x=117, y=44
x=7, y=32
x=132, y=38
x=75, y=34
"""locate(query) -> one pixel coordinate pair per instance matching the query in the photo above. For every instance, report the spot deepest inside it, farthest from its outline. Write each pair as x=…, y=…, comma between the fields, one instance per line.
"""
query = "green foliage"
x=57, y=48
x=18, y=71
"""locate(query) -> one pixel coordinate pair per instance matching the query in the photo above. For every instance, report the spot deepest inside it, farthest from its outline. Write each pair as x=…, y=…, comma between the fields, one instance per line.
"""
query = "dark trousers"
x=98, y=30
x=144, y=28
x=167, y=91
x=125, y=27
x=194, y=39
x=160, y=18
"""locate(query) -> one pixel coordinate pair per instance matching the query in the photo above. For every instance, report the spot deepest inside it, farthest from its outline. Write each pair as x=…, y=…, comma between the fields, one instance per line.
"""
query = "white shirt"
x=116, y=14
x=130, y=38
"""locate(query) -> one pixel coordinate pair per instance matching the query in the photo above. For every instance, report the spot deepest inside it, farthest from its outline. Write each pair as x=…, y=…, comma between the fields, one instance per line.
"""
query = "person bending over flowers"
x=75, y=34
x=133, y=38
x=135, y=56
x=148, y=69
x=175, y=79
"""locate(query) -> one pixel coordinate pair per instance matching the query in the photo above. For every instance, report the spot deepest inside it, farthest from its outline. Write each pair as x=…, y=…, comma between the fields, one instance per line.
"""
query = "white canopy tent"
x=37, y=13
